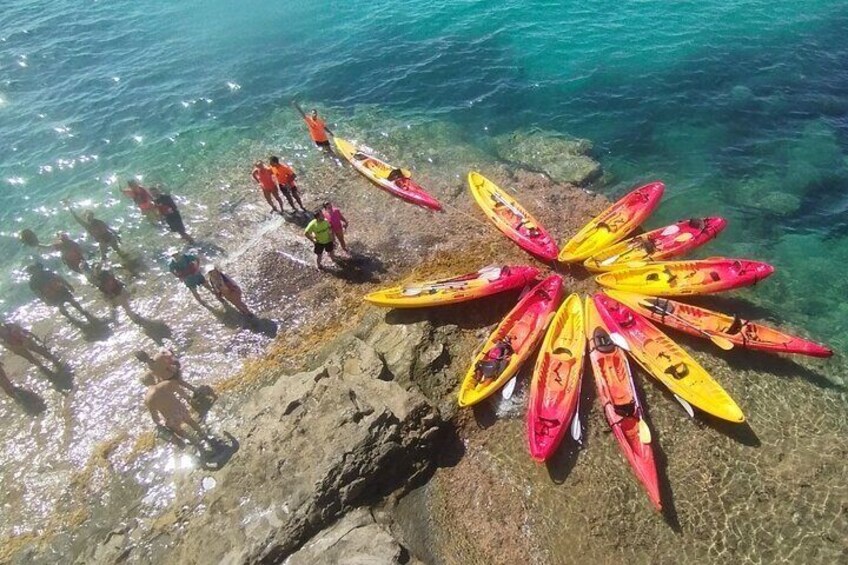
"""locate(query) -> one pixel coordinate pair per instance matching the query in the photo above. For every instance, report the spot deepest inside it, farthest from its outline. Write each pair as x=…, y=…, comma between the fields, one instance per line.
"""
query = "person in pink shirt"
x=338, y=223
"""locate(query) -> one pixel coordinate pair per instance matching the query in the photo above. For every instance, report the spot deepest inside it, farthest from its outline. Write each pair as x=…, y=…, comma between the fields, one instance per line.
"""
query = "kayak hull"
x=682, y=278
x=377, y=170
x=454, y=290
x=512, y=219
x=613, y=224
x=615, y=386
x=657, y=245
x=555, y=388
x=667, y=362
x=750, y=335
x=525, y=324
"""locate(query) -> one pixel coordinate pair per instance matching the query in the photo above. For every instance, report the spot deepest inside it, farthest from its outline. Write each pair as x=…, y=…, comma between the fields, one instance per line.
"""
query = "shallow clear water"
x=740, y=107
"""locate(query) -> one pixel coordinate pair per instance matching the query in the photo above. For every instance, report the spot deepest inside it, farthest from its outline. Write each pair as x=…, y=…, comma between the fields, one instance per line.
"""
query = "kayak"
x=657, y=245
x=393, y=180
x=555, y=388
x=511, y=218
x=679, y=278
x=620, y=401
x=701, y=322
x=614, y=223
x=485, y=282
x=523, y=328
x=667, y=361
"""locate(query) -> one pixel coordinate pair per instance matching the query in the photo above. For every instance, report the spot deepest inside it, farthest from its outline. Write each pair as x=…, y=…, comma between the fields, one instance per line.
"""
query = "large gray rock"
x=314, y=445
x=564, y=160
x=356, y=539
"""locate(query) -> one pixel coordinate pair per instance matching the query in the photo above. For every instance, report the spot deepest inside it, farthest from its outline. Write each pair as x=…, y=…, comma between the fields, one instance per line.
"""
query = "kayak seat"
x=678, y=371
x=715, y=276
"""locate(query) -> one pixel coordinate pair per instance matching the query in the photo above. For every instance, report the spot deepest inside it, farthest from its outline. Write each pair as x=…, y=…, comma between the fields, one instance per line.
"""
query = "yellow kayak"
x=614, y=223
x=667, y=361
x=511, y=218
x=393, y=180
x=485, y=282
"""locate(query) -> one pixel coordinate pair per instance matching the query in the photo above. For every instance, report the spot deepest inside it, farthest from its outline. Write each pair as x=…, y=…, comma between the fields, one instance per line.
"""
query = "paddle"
x=509, y=206
x=416, y=290
x=618, y=340
x=576, y=428
x=720, y=341
x=682, y=238
x=508, y=389
x=644, y=432
x=686, y=406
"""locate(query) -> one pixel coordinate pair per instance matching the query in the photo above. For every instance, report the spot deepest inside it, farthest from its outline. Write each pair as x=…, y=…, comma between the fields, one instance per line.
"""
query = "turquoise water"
x=741, y=107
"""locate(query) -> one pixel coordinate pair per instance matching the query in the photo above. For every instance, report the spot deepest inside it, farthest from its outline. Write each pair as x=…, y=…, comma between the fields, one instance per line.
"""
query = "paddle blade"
x=576, y=428
x=619, y=341
x=644, y=432
x=721, y=342
x=686, y=406
x=508, y=389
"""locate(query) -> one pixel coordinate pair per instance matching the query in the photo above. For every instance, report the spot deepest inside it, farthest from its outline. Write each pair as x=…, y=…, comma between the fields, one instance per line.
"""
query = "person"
x=318, y=231
x=317, y=130
x=105, y=236
x=264, y=177
x=186, y=267
x=70, y=251
x=54, y=290
x=143, y=198
x=494, y=361
x=111, y=287
x=167, y=209
x=23, y=343
x=338, y=223
x=164, y=366
x=284, y=177
x=10, y=389
x=226, y=288
x=165, y=401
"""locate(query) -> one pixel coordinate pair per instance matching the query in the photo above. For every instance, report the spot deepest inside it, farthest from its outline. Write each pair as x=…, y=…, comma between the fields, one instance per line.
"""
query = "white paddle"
x=686, y=406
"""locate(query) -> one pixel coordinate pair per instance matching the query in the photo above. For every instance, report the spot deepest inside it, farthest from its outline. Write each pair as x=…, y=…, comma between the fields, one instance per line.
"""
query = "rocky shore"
x=345, y=444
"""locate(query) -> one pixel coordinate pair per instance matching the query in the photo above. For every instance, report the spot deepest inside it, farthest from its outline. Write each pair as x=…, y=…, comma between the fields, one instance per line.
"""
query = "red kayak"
x=701, y=322
x=657, y=245
x=555, y=389
x=620, y=401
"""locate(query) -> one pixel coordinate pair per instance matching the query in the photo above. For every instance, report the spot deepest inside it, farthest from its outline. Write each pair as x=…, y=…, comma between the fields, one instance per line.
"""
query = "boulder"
x=562, y=159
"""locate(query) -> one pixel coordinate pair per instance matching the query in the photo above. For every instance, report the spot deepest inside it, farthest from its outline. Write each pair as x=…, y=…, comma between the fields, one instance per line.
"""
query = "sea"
x=739, y=106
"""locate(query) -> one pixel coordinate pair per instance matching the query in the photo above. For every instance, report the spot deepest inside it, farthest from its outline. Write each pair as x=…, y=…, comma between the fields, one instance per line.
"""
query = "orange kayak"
x=512, y=342
x=701, y=322
x=620, y=401
x=555, y=388
x=614, y=223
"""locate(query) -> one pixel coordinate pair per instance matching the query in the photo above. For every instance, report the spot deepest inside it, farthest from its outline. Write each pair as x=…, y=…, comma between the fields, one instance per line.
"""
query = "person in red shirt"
x=284, y=177
x=264, y=177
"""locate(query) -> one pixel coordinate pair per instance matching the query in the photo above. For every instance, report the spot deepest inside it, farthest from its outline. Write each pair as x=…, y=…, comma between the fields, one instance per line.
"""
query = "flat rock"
x=562, y=159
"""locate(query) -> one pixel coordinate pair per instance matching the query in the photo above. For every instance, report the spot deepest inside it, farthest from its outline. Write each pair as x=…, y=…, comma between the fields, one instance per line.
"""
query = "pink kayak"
x=657, y=245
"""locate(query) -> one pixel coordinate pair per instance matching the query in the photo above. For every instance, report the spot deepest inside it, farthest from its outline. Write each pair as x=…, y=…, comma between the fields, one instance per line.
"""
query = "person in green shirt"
x=318, y=231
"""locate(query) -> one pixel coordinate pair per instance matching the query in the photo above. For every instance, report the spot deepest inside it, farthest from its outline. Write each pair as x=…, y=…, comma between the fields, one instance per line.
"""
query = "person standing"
x=284, y=176
x=143, y=198
x=113, y=290
x=166, y=402
x=264, y=177
x=226, y=288
x=54, y=290
x=167, y=208
x=105, y=236
x=318, y=129
x=338, y=223
x=70, y=251
x=24, y=343
x=318, y=231
x=186, y=267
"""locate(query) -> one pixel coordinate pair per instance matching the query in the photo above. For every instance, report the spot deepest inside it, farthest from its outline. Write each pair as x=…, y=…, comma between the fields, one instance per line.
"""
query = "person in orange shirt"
x=284, y=176
x=318, y=130
x=264, y=177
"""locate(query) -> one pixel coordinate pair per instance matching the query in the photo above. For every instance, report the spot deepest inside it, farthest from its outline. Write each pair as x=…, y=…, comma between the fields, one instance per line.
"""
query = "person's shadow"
x=359, y=268
x=156, y=330
x=30, y=402
x=233, y=319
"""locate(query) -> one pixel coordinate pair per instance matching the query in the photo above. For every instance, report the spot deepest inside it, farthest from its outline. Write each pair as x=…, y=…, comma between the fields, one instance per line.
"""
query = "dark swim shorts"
x=322, y=247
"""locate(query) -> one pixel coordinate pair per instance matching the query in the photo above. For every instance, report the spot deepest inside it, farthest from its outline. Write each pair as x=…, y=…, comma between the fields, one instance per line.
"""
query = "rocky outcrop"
x=562, y=159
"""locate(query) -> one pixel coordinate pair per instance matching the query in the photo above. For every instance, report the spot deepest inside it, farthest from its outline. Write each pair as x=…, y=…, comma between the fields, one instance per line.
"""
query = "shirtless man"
x=23, y=343
x=54, y=290
x=164, y=366
x=105, y=236
x=166, y=403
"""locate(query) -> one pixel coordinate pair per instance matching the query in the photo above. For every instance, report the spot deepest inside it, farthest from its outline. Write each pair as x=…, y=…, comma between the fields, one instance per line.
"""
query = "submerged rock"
x=562, y=159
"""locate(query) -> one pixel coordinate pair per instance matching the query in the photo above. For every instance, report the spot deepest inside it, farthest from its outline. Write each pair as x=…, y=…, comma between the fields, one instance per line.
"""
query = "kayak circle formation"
x=639, y=277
